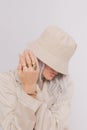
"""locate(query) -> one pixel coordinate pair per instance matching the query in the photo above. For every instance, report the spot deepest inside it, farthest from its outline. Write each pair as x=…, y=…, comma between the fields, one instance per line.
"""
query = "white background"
x=21, y=21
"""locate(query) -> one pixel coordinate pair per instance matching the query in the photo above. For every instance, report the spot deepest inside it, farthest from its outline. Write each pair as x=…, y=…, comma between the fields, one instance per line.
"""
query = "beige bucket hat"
x=54, y=47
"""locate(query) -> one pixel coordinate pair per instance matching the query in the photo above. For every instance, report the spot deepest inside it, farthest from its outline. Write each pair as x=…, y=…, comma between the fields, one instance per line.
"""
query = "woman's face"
x=49, y=73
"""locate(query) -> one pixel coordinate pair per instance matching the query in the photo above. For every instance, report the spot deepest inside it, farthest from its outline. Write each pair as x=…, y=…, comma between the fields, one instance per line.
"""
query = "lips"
x=52, y=74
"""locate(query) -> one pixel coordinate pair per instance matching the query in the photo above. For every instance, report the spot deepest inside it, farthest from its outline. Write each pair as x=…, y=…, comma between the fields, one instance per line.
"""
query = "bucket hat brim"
x=55, y=48
x=46, y=57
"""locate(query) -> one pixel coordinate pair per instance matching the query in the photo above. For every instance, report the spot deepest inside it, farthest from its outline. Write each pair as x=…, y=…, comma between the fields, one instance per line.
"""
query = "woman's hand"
x=28, y=71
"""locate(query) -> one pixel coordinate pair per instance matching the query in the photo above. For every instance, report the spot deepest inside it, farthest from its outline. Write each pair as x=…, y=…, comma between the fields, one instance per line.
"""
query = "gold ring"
x=35, y=66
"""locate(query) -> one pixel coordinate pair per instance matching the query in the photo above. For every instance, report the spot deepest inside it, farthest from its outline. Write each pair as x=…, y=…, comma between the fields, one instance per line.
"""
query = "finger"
x=32, y=57
x=25, y=68
x=35, y=61
x=19, y=67
x=28, y=61
x=19, y=72
x=22, y=60
x=24, y=64
x=28, y=66
x=19, y=64
x=27, y=58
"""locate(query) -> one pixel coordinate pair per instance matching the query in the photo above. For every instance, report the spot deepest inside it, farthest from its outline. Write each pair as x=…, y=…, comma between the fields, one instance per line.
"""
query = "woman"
x=37, y=95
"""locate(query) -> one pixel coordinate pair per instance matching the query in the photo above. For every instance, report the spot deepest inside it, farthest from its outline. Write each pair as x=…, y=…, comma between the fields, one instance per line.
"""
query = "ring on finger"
x=34, y=66
x=25, y=68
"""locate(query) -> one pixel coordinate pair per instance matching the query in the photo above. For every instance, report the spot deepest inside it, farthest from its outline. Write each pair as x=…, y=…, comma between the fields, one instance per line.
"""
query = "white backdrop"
x=21, y=21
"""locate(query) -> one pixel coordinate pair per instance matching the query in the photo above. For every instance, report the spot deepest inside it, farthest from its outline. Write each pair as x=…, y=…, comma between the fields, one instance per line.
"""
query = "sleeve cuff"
x=28, y=100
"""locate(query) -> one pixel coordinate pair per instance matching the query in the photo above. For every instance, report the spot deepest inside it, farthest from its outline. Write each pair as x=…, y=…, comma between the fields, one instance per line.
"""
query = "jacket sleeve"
x=57, y=116
x=15, y=115
x=7, y=100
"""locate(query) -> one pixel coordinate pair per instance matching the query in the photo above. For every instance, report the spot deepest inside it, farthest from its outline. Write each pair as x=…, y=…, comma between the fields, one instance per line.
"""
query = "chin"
x=50, y=78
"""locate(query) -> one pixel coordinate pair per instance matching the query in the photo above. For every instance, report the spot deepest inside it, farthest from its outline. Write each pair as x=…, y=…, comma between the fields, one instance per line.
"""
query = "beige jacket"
x=19, y=111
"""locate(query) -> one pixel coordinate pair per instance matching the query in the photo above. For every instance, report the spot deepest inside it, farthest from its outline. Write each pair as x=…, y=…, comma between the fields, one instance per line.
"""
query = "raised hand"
x=28, y=71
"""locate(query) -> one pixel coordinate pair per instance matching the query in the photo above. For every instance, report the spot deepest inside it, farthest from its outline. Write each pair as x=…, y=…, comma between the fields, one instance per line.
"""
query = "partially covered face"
x=49, y=73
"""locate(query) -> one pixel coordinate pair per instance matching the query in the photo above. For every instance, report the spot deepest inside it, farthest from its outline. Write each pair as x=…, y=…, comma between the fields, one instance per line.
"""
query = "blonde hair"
x=57, y=86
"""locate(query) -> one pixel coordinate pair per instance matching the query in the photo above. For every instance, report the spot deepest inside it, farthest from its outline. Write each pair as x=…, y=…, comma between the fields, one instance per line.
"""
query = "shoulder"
x=68, y=79
x=7, y=80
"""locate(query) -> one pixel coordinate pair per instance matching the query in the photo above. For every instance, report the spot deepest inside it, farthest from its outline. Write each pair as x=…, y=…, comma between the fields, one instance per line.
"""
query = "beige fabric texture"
x=55, y=48
x=19, y=111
